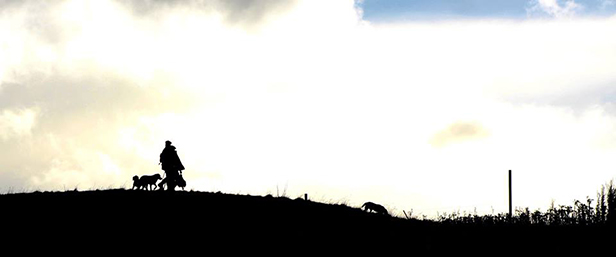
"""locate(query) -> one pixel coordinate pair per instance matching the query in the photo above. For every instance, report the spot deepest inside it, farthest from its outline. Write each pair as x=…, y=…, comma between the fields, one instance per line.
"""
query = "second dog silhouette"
x=370, y=206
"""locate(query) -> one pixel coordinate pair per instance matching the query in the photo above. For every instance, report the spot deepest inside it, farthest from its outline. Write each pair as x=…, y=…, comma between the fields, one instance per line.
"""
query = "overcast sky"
x=419, y=105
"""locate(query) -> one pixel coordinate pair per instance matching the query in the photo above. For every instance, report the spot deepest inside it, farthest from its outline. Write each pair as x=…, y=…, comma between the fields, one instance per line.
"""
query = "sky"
x=417, y=105
x=413, y=10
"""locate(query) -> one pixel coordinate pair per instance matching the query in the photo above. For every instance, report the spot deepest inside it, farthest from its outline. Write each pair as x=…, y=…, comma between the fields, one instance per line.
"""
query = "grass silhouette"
x=581, y=213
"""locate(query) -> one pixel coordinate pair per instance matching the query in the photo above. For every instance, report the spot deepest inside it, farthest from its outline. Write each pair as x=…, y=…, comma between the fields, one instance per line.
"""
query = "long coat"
x=170, y=160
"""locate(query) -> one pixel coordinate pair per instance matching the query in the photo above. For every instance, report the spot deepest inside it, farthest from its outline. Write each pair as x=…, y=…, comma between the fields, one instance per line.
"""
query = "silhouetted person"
x=171, y=164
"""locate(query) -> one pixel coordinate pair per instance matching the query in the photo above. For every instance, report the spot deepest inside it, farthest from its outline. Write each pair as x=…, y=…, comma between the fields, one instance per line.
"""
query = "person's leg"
x=171, y=185
x=162, y=182
x=172, y=180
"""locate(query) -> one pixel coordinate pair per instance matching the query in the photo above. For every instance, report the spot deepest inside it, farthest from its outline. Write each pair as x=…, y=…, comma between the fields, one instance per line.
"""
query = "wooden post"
x=510, y=198
x=306, y=197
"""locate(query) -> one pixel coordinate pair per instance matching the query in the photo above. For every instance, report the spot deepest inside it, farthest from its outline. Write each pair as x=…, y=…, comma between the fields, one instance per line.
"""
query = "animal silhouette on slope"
x=146, y=181
x=377, y=208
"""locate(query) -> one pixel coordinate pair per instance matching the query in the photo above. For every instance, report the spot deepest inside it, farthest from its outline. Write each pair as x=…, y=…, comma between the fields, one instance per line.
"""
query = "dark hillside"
x=126, y=219
x=193, y=218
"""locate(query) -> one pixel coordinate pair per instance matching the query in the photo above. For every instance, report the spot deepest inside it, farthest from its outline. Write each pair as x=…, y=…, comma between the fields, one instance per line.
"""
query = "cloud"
x=459, y=132
x=245, y=13
x=17, y=123
x=554, y=8
x=82, y=81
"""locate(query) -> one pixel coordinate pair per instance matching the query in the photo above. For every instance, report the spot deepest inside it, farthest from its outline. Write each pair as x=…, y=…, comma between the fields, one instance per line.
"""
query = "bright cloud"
x=17, y=123
x=259, y=94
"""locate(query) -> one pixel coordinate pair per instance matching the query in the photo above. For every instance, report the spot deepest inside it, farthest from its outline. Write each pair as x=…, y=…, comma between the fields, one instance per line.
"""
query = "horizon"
x=422, y=105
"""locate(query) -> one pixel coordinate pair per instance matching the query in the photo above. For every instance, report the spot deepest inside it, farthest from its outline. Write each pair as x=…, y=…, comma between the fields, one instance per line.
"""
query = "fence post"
x=306, y=196
x=510, y=198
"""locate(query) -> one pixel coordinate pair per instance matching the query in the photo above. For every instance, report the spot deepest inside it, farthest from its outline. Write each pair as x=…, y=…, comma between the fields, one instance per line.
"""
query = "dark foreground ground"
x=126, y=221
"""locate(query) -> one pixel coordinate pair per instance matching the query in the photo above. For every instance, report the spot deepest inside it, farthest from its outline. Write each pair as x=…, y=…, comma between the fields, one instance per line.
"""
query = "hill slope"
x=126, y=219
x=192, y=216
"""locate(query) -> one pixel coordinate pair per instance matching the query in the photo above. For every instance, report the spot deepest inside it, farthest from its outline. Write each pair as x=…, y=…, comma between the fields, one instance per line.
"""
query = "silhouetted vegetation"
x=589, y=212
